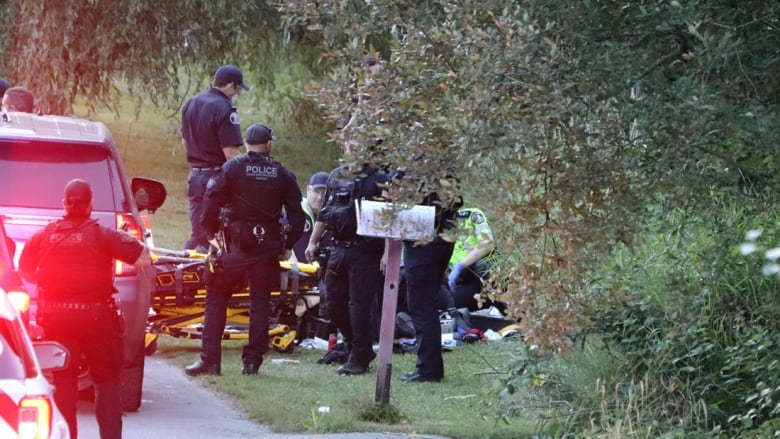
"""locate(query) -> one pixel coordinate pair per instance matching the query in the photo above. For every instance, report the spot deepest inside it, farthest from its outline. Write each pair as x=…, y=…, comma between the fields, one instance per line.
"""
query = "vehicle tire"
x=131, y=382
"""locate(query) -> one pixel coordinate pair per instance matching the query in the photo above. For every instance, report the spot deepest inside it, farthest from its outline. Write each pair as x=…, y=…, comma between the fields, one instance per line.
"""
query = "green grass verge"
x=287, y=397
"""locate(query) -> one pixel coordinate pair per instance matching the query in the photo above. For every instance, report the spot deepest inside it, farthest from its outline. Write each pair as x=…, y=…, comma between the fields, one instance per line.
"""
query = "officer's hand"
x=285, y=255
x=454, y=274
x=311, y=252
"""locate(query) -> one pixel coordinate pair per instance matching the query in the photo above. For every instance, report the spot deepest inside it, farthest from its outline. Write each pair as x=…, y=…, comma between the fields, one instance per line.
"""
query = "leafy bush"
x=691, y=334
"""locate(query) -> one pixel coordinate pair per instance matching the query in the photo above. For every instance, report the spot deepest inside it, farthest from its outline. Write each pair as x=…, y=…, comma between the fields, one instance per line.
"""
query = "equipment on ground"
x=178, y=303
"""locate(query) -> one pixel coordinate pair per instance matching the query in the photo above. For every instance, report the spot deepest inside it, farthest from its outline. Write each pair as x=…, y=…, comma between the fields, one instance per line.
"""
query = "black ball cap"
x=230, y=73
x=259, y=134
x=78, y=191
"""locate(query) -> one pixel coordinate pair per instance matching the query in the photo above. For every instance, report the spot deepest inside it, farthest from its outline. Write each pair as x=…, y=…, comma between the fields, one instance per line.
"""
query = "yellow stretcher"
x=178, y=304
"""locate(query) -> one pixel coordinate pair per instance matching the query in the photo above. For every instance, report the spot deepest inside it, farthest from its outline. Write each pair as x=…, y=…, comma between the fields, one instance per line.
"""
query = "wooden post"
x=387, y=328
x=384, y=220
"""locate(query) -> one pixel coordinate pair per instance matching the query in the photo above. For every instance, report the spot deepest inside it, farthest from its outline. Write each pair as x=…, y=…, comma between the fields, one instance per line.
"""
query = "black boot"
x=200, y=367
x=250, y=368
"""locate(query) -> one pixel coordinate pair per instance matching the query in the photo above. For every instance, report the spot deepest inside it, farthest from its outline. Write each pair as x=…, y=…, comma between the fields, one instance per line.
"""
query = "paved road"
x=175, y=407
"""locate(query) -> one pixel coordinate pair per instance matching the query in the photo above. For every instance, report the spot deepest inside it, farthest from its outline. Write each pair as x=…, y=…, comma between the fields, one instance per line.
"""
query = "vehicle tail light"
x=20, y=300
x=148, y=226
x=35, y=418
x=127, y=223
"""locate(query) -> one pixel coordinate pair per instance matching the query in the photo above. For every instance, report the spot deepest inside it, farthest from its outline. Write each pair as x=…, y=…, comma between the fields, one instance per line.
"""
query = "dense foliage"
x=578, y=116
x=593, y=132
x=162, y=50
x=579, y=125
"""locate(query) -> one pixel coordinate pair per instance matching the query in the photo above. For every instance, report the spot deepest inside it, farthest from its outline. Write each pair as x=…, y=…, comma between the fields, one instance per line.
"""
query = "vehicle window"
x=37, y=172
x=11, y=362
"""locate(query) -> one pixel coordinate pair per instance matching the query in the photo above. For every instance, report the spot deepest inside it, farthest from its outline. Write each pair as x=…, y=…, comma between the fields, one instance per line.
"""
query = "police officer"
x=72, y=261
x=471, y=259
x=251, y=189
x=353, y=278
x=311, y=204
x=211, y=134
x=424, y=267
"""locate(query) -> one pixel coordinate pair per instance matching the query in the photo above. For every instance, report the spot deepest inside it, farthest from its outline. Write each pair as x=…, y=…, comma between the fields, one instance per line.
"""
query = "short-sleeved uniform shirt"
x=473, y=229
x=209, y=122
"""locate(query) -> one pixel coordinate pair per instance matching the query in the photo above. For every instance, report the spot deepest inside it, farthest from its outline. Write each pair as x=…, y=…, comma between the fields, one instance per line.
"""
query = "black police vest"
x=73, y=266
x=257, y=191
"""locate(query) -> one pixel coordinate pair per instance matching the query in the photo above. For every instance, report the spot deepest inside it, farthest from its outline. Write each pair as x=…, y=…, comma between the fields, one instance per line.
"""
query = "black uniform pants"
x=353, y=280
x=469, y=284
x=424, y=267
x=92, y=335
x=263, y=272
x=196, y=190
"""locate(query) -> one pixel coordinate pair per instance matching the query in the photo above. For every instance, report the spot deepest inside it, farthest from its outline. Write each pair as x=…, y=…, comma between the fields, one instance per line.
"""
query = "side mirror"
x=149, y=194
x=51, y=355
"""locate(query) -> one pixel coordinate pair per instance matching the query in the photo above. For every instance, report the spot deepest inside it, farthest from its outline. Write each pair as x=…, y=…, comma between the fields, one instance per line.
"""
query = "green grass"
x=286, y=397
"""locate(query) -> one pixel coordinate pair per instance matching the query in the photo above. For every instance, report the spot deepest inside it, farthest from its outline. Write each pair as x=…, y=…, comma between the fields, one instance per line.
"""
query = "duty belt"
x=347, y=243
x=49, y=305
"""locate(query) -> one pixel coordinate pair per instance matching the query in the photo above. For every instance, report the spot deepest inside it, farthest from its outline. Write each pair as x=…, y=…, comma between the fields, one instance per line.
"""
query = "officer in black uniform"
x=72, y=261
x=353, y=278
x=424, y=267
x=211, y=134
x=253, y=188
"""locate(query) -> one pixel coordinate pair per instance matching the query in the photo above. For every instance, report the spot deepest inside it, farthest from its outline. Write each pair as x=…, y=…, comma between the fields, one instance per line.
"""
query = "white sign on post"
x=387, y=220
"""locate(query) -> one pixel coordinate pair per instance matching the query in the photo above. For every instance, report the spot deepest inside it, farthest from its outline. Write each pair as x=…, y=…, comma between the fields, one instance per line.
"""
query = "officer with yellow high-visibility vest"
x=472, y=258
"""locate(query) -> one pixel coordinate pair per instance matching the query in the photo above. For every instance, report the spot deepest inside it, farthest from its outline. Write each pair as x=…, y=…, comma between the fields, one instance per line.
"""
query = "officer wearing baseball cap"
x=211, y=133
x=311, y=204
x=72, y=262
x=251, y=191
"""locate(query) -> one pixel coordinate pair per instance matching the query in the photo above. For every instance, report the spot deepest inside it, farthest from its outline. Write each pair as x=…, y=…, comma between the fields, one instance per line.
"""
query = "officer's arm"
x=123, y=246
x=385, y=256
x=214, y=198
x=296, y=217
x=480, y=251
x=231, y=151
x=28, y=261
x=314, y=240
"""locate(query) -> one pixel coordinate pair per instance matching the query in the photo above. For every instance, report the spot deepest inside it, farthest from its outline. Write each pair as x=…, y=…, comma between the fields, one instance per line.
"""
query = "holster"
x=119, y=317
x=212, y=267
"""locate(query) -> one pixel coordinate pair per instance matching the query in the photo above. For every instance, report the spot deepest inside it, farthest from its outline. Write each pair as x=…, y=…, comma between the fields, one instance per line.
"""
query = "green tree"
x=567, y=118
x=573, y=123
x=160, y=50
